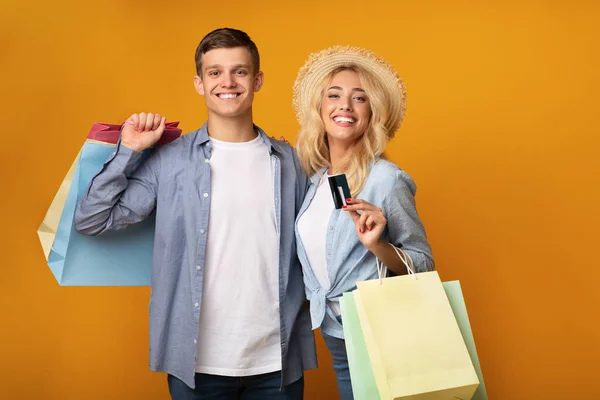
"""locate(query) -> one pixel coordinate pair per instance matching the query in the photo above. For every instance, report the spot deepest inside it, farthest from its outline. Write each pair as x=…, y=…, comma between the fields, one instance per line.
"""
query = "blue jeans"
x=256, y=387
x=337, y=348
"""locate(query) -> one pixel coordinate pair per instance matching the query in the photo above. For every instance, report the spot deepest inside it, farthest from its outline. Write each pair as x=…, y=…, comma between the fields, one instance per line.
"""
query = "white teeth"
x=344, y=119
x=228, y=95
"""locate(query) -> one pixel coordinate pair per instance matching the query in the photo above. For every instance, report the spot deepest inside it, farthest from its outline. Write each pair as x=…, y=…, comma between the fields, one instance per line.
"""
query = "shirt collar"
x=202, y=137
x=318, y=175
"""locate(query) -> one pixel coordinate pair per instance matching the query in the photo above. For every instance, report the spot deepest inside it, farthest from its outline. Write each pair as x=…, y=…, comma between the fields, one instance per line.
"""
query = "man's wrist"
x=132, y=147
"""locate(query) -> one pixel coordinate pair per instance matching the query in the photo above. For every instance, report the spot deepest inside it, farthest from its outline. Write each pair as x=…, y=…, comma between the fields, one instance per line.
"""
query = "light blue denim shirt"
x=175, y=182
x=348, y=260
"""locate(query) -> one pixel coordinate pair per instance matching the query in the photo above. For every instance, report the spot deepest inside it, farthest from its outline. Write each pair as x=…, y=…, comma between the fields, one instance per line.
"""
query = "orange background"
x=500, y=136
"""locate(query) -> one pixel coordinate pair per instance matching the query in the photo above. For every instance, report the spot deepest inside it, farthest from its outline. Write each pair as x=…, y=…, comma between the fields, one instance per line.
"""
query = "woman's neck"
x=339, y=153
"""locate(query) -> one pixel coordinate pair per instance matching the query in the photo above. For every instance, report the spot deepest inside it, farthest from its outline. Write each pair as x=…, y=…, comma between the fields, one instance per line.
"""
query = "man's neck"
x=238, y=129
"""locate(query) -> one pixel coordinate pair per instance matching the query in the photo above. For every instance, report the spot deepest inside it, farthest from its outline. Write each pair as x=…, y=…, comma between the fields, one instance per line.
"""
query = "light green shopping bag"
x=457, y=303
x=361, y=374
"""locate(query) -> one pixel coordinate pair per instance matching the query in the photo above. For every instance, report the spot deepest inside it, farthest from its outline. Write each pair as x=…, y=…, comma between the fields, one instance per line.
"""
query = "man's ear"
x=199, y=85
x=258, y=81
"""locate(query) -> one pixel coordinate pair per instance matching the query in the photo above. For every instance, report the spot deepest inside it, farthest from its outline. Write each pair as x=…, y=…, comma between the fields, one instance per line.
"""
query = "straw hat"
x=320, y=64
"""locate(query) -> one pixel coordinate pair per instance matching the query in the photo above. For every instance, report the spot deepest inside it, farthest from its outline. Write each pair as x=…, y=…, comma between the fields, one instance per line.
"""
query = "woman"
x=349, y=104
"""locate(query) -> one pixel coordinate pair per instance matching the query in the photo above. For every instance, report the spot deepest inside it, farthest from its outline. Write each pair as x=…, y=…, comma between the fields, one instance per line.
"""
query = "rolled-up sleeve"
x=404, y=225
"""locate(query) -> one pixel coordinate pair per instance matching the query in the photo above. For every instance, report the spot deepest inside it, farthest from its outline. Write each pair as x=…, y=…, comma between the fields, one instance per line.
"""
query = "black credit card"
x=339, y=190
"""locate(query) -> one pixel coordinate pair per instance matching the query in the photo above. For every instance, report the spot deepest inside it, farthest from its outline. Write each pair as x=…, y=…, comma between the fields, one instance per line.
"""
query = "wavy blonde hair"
x=312, y=146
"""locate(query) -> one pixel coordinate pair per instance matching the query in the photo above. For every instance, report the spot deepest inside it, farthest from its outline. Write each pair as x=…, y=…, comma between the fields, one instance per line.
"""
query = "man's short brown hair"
x=226, y=38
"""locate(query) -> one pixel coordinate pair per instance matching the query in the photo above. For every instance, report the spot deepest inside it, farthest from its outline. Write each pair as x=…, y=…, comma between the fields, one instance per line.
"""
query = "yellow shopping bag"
x=413, y=339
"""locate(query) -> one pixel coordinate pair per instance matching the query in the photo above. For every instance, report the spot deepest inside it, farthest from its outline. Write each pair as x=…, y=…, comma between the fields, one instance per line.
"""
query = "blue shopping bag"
x=120, y=258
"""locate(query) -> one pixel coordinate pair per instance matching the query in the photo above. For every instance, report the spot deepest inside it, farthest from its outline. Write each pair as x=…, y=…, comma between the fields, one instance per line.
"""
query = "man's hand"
x=142, y=130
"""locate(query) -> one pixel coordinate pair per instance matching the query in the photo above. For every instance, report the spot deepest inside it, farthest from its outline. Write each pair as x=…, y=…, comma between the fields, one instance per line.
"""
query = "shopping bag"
x=120, y=258
x=361, y=373
x=459, y=309
x=413, y=340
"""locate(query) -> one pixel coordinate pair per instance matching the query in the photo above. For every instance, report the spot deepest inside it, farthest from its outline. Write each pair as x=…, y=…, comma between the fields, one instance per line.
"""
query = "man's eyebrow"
x=213, y=66
x=236, y=66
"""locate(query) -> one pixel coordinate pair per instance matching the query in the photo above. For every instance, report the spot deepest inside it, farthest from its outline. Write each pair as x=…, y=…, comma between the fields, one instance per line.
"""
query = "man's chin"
x=230, y=113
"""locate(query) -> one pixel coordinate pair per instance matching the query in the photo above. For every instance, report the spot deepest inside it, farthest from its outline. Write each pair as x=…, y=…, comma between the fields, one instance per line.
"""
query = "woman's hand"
x=369, y=222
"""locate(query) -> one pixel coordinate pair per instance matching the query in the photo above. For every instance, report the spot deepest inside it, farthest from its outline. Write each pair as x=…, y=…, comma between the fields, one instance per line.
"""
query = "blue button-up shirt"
x=175, y=182
x=348, y=260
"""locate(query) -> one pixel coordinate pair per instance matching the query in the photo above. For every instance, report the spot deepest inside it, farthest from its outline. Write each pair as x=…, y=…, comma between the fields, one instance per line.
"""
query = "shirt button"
x=207, y=160
x=202, y=231
x=196, y=305
x=198, y=267
x=331, y=228
x=205, y=195
x=195, y=341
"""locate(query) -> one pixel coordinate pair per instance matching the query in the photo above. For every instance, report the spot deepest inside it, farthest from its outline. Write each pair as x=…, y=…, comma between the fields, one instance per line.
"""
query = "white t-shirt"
x=312, y=228
x=239, y=332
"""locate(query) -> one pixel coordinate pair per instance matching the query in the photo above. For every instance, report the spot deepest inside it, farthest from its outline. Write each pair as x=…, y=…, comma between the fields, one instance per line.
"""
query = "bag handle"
x=404, y=257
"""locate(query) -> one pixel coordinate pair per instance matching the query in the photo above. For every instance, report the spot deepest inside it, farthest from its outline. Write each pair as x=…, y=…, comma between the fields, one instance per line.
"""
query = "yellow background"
x=501, y=136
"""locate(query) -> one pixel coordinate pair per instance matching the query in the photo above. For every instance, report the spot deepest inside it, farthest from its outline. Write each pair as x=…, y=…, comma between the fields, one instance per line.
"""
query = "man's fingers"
x=161, y=127
x=136, y=121
x=133, y=121
x=142, y=122
x=156, y=122
x=149, y=122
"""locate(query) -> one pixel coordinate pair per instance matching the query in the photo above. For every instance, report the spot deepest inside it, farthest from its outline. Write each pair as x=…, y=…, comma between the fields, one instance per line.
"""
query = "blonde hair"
x=312, y=146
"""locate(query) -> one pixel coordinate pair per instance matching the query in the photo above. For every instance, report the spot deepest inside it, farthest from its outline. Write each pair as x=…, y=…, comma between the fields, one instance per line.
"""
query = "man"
x=228, y=314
